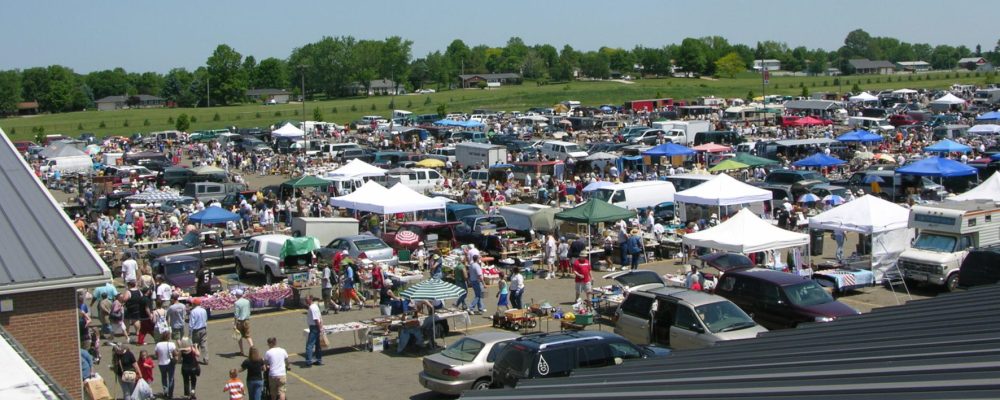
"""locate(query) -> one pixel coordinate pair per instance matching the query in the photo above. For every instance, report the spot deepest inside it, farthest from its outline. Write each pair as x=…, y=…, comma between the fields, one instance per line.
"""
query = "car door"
x=687, y=331
x=772, y=309
x=593, y=355
x=633, y=318
x=250, y=256
x=663, y=318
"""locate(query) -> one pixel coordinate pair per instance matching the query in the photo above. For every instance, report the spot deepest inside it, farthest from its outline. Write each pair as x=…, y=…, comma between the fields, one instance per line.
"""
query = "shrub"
x=856, y=88
x=170, y=120
x=333, y=110
x=836, y=81
x=427, y=101
x=296, y=112
x=825, y=84
x=442, y=110
x=239, y=117
x=909, y=78
x=481, y=84
x=125, y=123
x=216, y=117
x=373, y=107
x=392, y=105
x=102, y=125
x=869, y=80
x=354, y=107
x=409, y=103
x=183, y=124
x=277, y=113
x=146, y=122
x=257, y=115
x=194, y=119
x=79, y=127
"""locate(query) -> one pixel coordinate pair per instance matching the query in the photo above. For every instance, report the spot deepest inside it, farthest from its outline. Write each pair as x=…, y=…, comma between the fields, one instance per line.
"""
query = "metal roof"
x=943, y=347
x=39, y=246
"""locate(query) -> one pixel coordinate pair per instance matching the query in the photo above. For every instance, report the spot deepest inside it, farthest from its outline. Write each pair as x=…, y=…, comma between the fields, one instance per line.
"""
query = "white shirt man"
x=164, y=291
x=129, y=270
x=277, y=361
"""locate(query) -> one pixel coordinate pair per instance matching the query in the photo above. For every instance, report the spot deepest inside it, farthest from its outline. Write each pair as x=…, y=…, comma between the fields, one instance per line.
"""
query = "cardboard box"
x=95, y=389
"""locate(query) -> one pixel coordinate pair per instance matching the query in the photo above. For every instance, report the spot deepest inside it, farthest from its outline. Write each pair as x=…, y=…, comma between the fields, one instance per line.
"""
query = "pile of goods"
x=264, y=296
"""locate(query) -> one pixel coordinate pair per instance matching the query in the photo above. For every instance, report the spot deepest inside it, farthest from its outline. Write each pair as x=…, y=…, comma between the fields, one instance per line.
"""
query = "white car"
x=424, y=91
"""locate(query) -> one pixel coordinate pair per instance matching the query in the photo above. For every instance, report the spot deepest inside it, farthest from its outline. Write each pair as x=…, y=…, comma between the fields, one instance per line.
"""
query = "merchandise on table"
x=264, y=296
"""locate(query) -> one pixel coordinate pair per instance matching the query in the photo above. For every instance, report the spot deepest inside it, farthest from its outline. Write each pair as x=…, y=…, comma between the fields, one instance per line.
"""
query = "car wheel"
x=515, y=326
x=268, y=277
x=482, y=384
x=240, y=271
x=952, y=283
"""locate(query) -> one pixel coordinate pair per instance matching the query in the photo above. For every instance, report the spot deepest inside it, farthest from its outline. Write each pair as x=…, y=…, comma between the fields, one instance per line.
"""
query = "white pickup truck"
x=262, y=255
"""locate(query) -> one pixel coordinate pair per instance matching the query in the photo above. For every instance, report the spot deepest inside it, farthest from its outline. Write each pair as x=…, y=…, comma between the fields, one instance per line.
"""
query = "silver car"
x=682, y=319
x=466, y=364
x=369, y=246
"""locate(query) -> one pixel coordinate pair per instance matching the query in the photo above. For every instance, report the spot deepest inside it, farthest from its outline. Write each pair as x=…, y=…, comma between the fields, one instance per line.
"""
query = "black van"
x=980, y=267
x=549, y=355
x=778, y=299
x=729, y=138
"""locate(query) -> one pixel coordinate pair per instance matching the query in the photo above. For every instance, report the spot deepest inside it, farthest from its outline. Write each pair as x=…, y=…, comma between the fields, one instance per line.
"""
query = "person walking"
x=166, y=360
x=329, y=279
x=254, y=366
x=461, y=280
x=198, y=326
x=503, y=294
x=838, y=236
x=126, y=367
x=241, y=315
x=314, y=320
x=583, y=280
x=635, y=248
x=551, y=250
x=176, y=314
x=190, y=370
x=348, y=292
x=563, y=250
x=516, y=288
x=130, y=269
x=234, y=387
x=276, y=359
x=476, y=283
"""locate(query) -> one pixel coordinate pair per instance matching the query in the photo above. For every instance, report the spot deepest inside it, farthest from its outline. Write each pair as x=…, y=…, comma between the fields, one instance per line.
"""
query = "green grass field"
x=507, y=98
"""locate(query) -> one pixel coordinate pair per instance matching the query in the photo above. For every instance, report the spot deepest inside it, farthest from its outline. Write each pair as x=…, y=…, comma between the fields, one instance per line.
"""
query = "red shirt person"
x=581, y=273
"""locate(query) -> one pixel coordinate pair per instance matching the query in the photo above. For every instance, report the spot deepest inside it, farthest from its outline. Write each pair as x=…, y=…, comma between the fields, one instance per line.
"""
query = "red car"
x=902, y=120
x=23, y=145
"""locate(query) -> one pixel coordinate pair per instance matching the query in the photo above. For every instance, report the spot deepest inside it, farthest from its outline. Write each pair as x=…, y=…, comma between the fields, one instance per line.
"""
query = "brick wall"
x=45, y=324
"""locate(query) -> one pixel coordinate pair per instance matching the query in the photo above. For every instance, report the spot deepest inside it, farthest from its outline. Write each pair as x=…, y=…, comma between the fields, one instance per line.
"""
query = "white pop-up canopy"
x=723, y=190
x=868, y=214
x=948, y=99
x=402, y=198
x=365, y=198
x=988, y=190
x=864, y=96
x=288, y=131
x=746, y=233
x=373, y=197
x=357, y=168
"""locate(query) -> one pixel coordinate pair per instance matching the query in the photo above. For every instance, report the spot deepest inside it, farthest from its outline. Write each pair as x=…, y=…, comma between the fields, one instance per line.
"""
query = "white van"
x=563, y=151
x=341, y=185
x=420, y=179
x=332, y=150
x=71, y=164
x=636, y=195
x=869, y=123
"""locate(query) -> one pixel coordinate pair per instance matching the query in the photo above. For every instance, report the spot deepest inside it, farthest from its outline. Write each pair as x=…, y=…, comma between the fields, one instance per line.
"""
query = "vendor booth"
x=594, y=211
x=718, y=194
x=988, y=190
x=746, y=233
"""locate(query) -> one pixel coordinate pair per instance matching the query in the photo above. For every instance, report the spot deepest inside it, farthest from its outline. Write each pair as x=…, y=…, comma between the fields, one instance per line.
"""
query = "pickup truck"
x=205, y=245
x=179, y=272
x=262, y=254
x=481, y=230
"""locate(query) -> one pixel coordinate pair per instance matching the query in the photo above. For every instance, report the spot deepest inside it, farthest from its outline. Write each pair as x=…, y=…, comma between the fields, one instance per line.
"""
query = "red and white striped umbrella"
x=407, y=238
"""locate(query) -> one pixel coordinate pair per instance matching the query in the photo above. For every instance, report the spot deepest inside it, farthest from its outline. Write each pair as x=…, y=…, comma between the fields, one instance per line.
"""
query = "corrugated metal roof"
x=944, y=347
x=39, y=246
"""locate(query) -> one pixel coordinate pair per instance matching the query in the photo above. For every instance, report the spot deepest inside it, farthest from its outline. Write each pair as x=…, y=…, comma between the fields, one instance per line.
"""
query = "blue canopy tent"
x=990, y=116
x=818, y=160
x=936, y=166
x=669, y=150
x=463, y=124
x=995, y=157
x=947, y=146
x=859, y=135
x=213, y=215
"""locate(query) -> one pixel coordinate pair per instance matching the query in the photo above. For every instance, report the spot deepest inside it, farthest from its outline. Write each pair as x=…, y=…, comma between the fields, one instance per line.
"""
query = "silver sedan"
x=466, y=364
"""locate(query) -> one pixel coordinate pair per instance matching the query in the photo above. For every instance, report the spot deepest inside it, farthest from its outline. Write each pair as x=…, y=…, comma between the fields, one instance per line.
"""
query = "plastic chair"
x=404, y=256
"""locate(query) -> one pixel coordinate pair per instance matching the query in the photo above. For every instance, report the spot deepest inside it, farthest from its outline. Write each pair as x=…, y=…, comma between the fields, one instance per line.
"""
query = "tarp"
x=595, y=211
x=601, y=155
x=668, y=150
x=298, y=246
x=753, y=161
x=524, y=217
x=988, y=189
x=156, y=196
x=947, y=146
x=985, y=129
x=288, y=131
x=745, y=233
x=306, y=181
x=462, y=124
x=990, y=116
x=213, y=215
x=904, y=91
x=723, y=190
x=61, y=149
x=948, y=99
x=357, y=168
x=818, y=160
x=936, y=166
x=860, y=135
x=809, y=121
x=867, y=214
x=864, y=96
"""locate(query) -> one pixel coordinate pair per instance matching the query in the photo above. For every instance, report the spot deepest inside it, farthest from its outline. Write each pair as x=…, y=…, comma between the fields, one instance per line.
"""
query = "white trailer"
x=471, y=154
x=324, y=229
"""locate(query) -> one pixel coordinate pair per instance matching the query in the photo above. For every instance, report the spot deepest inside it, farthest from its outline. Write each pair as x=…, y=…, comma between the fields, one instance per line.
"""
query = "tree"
x=148, y=83
x=226, y=75
x=271, y=73
x=177, y=88
x=250, y=70
x=730, y=65
x=183, y=123
x=395, y=59
x=111, y=82
x=595, y=64
x=692, y=55
x=10, y=91
x=317, y=114
x=857, y=44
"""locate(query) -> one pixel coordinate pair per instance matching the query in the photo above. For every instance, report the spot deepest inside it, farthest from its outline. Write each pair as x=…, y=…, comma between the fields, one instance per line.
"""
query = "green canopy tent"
x=728, y=165
x=594, y=211
x=304, y=182
x=752, y=160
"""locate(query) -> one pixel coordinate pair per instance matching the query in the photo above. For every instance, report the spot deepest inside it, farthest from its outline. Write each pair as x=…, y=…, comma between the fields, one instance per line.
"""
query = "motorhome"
x=947, y=231
x=986, y=97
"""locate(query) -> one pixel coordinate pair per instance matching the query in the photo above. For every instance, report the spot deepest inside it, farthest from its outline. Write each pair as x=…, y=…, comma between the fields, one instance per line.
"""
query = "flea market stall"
x=718, y=194
x=746, y=233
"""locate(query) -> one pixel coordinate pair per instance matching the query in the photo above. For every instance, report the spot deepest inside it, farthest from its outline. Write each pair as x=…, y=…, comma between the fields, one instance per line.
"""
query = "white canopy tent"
x=405, y=199
x=948, y=99
x=863, y=97
x=884, y=221
x=723, y=190
x=373, y=197
x=985, y=129
x=988, y=190
x=904, y=91
x=357, y=168
x=288, y=131
x=365, y=198
x=746, y=233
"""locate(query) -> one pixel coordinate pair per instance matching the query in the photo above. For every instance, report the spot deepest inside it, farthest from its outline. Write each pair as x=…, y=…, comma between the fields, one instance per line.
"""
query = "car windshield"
x=464, y=350
x=723, y=316
x=191, y=239
x=369, y=244
x=816, y=176
x=180, y=268
x=602, y=194
x=934, y=242
x=572, y=148
x=636, y=278
x=807, y=293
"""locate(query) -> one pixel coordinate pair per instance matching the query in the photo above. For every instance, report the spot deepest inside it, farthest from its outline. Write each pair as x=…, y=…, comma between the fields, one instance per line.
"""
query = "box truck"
x=324, y=229
x=471, y=154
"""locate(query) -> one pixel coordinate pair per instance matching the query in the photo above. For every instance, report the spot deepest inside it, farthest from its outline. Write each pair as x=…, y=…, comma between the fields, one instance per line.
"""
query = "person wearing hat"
x=198, y=326
x=634, y=245
x=241, y=315
x=713, y=220
x=437, y=266
x=421, y=256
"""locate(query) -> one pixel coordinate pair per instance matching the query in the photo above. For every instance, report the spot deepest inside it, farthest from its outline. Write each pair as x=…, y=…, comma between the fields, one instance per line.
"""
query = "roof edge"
x=79, y=282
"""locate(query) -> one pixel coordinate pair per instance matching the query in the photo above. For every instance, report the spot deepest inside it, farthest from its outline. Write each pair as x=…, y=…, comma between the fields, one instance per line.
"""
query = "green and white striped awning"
x=433, y=289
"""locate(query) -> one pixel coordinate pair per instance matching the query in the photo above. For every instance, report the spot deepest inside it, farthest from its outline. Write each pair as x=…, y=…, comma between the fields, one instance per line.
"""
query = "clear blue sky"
x=141, y=35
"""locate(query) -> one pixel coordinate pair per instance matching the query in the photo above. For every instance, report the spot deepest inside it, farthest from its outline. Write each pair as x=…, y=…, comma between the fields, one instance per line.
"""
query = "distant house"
x=472, y=80
x=121, y=102
x=913, y=66
x=378, y=87
x=269, y=96
x=864, y=66
x=27, y=108
x=971, y=63
x=767, y=65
